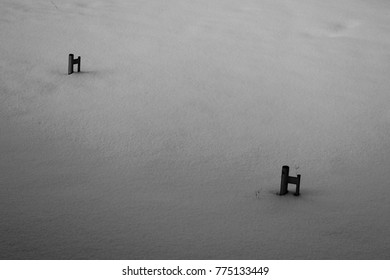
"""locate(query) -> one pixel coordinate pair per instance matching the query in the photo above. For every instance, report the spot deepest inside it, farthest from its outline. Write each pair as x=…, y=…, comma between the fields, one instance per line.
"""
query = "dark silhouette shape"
x=72, y=62
x=286, y=179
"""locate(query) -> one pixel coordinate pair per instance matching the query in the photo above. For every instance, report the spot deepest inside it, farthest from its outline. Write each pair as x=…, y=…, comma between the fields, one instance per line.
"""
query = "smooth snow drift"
x=169, y=144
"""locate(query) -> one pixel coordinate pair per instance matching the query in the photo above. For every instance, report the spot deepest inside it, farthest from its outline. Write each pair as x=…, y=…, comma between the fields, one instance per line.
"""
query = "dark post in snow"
x=72, y=62
x=286, y=179
x=298, y=185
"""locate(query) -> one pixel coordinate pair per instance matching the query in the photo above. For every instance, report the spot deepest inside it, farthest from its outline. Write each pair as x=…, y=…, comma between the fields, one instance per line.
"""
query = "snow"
x=169, y=144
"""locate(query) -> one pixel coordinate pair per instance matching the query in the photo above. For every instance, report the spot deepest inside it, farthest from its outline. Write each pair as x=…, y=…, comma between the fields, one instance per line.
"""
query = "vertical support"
x=284, y=180
x=70, y=64
x=298, y=185
x=79, y=64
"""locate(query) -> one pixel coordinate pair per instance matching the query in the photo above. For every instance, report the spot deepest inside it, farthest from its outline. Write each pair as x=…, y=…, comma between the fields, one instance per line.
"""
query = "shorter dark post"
x=79, y=64
x=70, y=64
x=284, y=180
x=298, y=185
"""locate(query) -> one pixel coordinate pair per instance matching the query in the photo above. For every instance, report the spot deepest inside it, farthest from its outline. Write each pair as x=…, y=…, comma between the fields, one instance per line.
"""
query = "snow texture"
x=170, y=142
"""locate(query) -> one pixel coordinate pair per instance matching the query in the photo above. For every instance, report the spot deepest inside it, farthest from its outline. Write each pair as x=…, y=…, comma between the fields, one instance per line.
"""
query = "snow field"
x=183, y=112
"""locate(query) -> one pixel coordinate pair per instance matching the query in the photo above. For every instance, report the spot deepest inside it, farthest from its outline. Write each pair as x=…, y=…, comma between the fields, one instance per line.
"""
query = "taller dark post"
x=70, y=64
x=284, y=180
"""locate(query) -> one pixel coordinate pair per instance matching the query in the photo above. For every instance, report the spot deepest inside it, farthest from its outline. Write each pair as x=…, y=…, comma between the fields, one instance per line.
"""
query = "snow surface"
x=169, y=144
